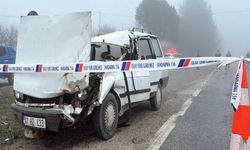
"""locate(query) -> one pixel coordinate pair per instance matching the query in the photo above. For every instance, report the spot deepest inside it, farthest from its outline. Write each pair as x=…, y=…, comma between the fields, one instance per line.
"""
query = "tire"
x=105, y=117
x=156, y=100
x=11, y=79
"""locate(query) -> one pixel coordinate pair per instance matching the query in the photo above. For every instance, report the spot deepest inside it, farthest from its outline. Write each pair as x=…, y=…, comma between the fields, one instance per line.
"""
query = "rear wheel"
x=156, y=100
x=106, y=117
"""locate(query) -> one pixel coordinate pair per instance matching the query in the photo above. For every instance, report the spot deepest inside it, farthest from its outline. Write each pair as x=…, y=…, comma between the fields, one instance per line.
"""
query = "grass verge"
x=9, y=128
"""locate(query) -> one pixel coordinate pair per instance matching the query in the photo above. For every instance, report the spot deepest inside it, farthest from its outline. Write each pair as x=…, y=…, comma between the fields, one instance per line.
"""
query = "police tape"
x=115, y=66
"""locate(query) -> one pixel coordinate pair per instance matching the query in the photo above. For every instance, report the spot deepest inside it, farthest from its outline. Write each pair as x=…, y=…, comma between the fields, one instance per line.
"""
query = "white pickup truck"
x=50, y=102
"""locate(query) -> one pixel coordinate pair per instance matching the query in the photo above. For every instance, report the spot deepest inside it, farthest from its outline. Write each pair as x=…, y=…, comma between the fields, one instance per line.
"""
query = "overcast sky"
x=231, y=16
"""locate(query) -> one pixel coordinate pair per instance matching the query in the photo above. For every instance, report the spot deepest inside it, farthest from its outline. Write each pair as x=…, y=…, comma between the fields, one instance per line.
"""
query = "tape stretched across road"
x=115, y=66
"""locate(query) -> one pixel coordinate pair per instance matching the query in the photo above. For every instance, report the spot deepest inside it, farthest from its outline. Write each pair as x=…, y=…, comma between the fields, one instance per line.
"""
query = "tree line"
x=192, y=31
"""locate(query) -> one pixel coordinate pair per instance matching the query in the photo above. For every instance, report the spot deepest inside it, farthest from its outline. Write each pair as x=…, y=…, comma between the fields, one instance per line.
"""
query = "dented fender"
x=107, y=83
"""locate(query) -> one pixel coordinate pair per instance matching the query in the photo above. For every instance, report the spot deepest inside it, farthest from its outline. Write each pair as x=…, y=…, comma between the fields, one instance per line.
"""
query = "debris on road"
x=4, y=123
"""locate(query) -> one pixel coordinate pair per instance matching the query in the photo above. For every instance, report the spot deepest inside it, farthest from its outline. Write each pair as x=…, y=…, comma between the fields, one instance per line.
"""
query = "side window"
x=2, y=52
x=156, y=47
x=144, y=50
x=101, y=50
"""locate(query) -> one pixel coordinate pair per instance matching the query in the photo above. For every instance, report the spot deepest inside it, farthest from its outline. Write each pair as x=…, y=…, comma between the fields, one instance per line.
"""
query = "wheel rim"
x=109, y=117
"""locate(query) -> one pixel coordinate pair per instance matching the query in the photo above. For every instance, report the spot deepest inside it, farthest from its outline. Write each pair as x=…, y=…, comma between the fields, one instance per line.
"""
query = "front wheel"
x=156, y=100
x=106, y=117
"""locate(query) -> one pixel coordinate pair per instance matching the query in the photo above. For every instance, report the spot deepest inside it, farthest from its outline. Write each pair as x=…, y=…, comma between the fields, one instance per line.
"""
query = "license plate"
x=34, y=122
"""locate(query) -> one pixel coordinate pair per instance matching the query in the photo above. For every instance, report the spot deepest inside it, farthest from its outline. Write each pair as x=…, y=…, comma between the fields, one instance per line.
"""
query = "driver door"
x=140, y=79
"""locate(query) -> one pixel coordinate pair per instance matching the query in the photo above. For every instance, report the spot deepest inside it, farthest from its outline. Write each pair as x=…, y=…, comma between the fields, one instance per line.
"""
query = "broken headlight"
x=82, y=95
x=19, y=96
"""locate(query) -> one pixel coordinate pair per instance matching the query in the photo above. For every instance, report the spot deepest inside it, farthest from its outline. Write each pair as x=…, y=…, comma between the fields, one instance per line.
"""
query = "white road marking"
x=196, y=92
x=162, y=134
x=168, y=126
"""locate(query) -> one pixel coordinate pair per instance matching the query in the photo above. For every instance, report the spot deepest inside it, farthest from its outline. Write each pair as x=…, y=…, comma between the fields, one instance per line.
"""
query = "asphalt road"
x=205, y=124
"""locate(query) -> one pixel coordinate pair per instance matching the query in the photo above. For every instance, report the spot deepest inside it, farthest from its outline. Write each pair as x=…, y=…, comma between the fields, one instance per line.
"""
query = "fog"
x=231, y=17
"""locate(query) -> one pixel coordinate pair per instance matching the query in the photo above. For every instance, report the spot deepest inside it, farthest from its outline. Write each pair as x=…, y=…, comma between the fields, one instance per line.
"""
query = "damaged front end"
x=52, y=101
x=61, y=111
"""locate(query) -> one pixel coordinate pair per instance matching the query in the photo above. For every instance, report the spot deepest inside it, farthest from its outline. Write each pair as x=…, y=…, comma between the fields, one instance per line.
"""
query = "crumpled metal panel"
x=107, y=83
x=58, y=40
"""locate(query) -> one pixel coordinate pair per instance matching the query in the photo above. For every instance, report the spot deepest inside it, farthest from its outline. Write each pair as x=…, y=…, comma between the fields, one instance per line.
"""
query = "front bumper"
x=54, y=117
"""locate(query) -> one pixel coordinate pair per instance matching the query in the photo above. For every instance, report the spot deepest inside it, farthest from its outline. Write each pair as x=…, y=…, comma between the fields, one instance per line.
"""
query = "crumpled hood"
x=52, y=40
